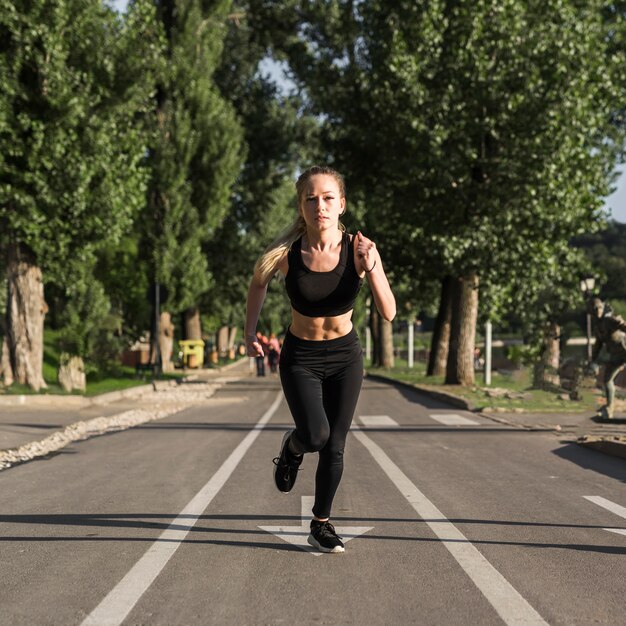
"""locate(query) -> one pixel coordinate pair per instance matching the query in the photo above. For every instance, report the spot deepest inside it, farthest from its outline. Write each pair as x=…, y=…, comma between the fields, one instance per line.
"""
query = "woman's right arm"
x=256, y=296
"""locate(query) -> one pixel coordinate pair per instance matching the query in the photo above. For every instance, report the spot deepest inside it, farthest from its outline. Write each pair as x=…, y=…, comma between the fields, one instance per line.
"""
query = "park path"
x=456, y=519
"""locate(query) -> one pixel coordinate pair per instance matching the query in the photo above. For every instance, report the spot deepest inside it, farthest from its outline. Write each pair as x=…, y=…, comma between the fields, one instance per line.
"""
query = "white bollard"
x=488, y=353
x=411, y=343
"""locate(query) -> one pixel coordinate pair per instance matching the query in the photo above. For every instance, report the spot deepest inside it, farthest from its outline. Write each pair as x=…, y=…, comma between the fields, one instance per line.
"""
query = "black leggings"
x=321, y=381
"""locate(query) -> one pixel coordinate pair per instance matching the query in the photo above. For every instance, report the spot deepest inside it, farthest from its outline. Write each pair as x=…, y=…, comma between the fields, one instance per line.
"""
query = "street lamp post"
x=586, y=286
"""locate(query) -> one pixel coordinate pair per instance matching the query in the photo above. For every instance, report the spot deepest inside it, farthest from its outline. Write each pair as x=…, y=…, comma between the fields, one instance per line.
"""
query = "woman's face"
x=321, y=204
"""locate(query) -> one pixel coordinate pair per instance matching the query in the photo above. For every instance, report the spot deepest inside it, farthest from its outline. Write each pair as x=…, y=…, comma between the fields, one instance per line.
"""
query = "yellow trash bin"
x=193, y=352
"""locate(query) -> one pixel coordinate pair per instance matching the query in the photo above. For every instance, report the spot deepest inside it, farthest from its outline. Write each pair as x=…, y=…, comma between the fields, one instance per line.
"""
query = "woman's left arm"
x=369, y=262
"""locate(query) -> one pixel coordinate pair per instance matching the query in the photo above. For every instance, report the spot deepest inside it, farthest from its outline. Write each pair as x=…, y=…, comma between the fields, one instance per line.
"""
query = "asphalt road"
x=178, y=522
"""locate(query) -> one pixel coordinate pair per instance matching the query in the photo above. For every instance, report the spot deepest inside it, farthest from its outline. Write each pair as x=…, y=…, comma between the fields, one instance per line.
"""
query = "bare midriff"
x=320, y=328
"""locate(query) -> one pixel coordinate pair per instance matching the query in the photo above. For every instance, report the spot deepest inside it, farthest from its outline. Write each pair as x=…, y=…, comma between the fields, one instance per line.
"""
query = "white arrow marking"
x=618, y=509
x=298, y=535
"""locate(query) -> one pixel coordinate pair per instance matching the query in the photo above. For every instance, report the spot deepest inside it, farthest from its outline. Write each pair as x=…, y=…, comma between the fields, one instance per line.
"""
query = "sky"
x=615, y=203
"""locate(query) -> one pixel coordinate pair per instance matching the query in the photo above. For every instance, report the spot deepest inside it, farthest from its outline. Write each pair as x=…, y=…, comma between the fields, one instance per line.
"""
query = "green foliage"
x=196, y=150
x=606, y=252
x=88, y=326
x=123, y=272
x=522, y=355
x=70, y=148
x=278, y=138
x=77, y=82
x=482, y=135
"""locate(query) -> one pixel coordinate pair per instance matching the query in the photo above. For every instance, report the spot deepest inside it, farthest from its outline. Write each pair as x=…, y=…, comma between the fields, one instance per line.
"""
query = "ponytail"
x=267, y=263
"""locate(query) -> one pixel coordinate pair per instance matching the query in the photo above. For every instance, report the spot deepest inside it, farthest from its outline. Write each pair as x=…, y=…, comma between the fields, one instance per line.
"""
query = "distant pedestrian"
x=321, y=364
x=273, y=353
x=260, y=358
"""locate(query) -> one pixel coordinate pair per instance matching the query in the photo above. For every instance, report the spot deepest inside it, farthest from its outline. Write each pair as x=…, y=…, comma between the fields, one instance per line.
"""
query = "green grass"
x=535, y=401
x=125, y=378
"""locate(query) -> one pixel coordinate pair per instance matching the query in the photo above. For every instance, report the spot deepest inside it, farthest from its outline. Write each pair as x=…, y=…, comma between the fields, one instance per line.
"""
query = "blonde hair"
x=267, y=263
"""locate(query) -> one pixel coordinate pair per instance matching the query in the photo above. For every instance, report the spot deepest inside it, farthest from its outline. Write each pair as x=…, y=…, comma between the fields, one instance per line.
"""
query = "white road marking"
x=372, y=421
x=618, y=509
x=298, y=535
x=503, y=597
x=116, y=606
x=452, y=419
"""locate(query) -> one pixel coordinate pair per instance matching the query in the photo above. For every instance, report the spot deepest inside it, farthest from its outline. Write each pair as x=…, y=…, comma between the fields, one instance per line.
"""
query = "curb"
x=80, y=402
x=77, y=402
x=614, y=446
x=460, y=403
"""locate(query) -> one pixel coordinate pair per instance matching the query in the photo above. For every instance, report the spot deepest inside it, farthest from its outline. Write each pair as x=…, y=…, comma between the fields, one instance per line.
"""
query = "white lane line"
x=373, y=421
x=503, y=597
x=452, y=419
x=116, y=606
x=618, y=509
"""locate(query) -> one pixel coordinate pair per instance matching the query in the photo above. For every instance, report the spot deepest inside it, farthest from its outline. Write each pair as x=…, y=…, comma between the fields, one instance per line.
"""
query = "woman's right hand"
x=253, y=347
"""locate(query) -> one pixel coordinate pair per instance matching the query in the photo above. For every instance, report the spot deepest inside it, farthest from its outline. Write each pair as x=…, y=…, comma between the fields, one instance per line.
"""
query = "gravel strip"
x=159, y=405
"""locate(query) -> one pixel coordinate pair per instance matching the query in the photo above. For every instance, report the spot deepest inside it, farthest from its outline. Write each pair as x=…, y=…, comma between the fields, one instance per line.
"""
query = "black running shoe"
x=286, y=466
x=324, y=538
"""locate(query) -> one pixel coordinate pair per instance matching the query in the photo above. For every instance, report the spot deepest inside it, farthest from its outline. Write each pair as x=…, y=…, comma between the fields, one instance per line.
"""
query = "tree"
x=195, y=154
x=75, y=78
x=278, y=137
x=489, y=138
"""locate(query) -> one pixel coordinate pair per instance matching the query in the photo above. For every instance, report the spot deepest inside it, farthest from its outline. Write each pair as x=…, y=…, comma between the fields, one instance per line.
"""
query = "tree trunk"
x=166, y=341
x=6, y=371
x=386, y=342
x=193, y=329
x=460, y=365
x=375, y=332
x=546, y=371
x=440, y=342
x=231, y=342
x=26, y=310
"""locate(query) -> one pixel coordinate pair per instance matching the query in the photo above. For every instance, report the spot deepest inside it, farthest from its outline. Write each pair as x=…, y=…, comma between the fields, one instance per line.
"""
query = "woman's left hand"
x=366, y=251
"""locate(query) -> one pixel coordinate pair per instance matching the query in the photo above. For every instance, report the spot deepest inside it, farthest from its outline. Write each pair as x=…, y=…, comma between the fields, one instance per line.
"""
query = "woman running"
x=321, y=363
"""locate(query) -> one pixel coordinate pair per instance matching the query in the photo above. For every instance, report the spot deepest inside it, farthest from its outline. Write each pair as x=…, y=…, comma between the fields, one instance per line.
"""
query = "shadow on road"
x=593, y=460
x=376, y=429
x=412, y=395
x=142, y=521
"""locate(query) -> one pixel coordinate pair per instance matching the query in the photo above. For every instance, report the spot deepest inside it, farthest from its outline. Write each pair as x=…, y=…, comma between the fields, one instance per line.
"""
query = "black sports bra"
x=322, y=294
